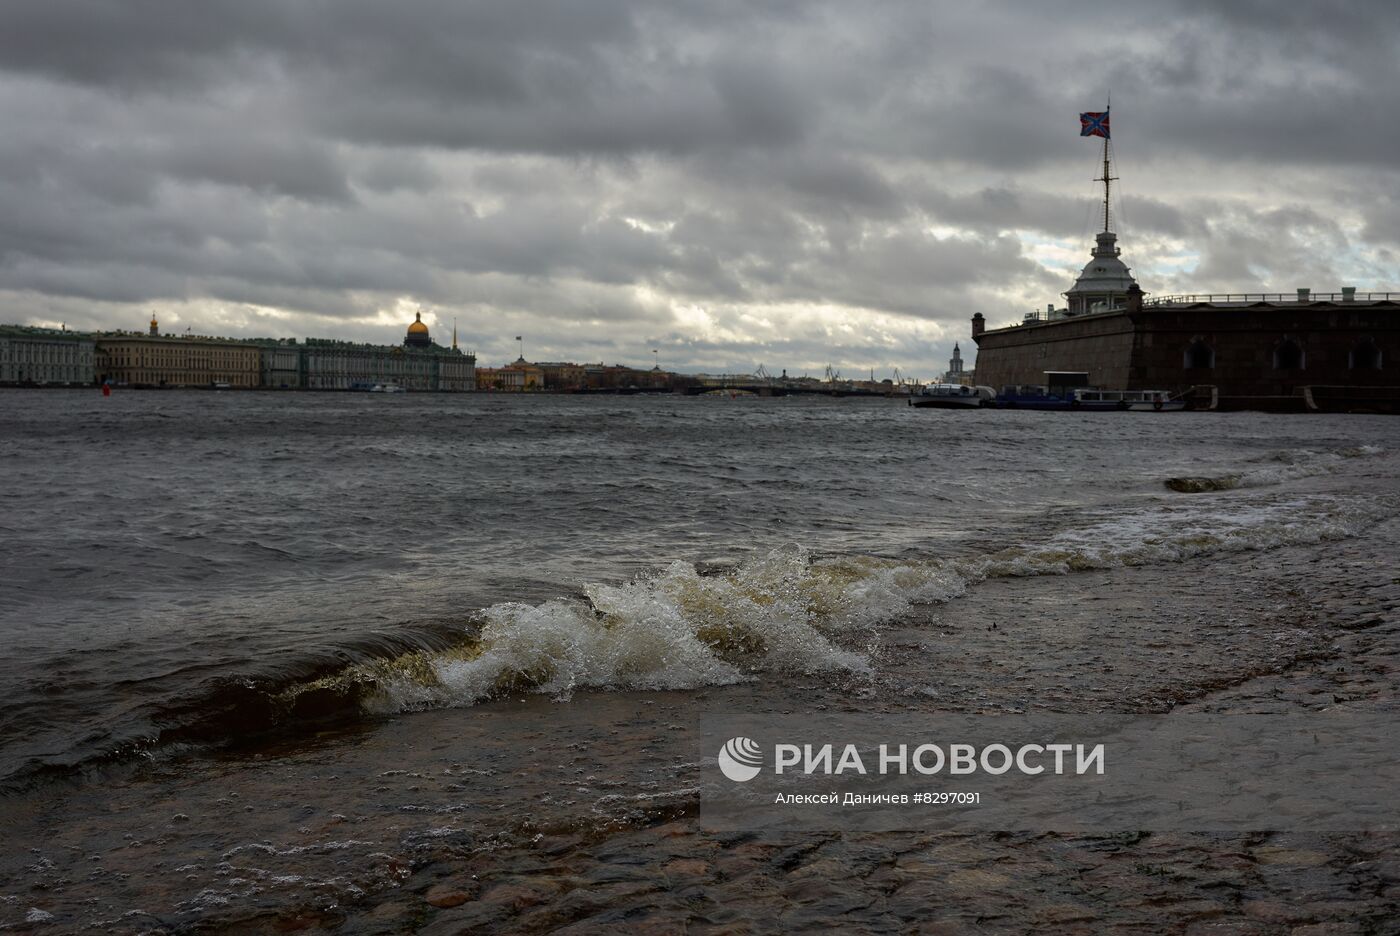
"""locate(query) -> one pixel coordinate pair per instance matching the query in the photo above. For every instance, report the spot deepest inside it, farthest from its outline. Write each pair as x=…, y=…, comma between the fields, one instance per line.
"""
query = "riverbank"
x=530, y=815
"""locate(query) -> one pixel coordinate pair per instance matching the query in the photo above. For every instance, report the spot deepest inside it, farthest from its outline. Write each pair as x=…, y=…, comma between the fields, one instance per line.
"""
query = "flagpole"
x=1107, y=109
x=1106, y=179
x=1106, y=182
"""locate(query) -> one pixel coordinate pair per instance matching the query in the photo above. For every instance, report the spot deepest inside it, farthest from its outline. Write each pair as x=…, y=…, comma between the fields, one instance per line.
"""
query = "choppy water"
x=194, y=567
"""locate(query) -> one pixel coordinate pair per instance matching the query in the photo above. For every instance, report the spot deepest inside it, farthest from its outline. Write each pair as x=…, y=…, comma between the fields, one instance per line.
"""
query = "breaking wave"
x=791, y=612
x=1277, y=468
x=677, y=629
x=788, y=611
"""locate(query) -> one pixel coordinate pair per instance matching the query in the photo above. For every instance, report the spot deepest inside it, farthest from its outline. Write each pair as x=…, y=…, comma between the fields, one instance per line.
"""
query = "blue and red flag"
x=1094, y=123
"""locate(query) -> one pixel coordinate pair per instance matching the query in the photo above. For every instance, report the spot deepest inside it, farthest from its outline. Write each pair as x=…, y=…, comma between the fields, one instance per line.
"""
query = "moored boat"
x=1087, y=399
x=951, y=396
x=1137, y=400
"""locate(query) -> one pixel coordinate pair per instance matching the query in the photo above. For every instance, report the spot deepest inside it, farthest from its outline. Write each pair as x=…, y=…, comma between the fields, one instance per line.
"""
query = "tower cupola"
x=1105, y=281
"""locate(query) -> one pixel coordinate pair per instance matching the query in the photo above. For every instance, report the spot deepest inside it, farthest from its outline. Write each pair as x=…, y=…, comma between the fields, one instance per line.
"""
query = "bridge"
x=779, y=387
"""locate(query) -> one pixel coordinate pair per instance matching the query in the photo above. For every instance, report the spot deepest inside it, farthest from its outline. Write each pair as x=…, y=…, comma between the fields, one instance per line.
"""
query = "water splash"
x=787, y=612
x=680, y=629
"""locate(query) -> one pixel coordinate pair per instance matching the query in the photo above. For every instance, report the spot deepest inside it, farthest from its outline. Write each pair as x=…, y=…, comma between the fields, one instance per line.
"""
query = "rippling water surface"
x=194, y=566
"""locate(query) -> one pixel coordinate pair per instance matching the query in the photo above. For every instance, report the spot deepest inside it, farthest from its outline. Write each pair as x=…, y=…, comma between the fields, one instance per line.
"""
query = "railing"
x=1272, y=297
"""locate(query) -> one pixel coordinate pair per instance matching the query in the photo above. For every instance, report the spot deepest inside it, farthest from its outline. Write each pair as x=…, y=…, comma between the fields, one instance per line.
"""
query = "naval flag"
x=1094, y=123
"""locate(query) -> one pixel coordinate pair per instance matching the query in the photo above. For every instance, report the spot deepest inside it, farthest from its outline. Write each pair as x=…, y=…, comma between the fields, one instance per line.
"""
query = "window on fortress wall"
x=1198, y=356
x=1288, y=355
x=1364, y=356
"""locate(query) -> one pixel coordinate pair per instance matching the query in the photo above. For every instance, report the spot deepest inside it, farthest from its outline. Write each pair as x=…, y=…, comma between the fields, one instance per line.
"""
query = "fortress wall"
x=1101, y=345
x=1244, y=340
x=1147, y=349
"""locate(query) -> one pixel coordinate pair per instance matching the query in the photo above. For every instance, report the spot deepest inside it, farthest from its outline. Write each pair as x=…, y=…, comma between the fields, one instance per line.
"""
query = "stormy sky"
x=730, y=183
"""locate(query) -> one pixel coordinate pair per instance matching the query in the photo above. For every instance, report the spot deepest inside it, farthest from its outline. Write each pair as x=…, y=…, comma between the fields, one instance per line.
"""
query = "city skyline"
x=730, y=185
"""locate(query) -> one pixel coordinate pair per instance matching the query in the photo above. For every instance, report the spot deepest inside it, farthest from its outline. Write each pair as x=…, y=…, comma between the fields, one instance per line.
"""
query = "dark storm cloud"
x=615, y=173
x=277, y=166
x=154, y=45
x=1003, y=209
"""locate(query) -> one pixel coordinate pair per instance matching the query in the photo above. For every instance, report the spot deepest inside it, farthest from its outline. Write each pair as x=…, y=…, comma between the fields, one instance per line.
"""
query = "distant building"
x=621, y=378
x=45, y=357
x=955, y=373
x=1289, y=351
x=1257, y=351
x=155, y=360
x=561, y=375
x=1273, y=351
x=456, y=371
x=282, y=362
x=419, y=364
x=532, y=376
x=500, y=378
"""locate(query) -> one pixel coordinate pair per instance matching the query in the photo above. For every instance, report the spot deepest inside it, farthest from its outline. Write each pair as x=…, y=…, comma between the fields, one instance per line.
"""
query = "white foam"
x=1302, y=463
x=1178, y=531
x=679, y=629
x=785, y=612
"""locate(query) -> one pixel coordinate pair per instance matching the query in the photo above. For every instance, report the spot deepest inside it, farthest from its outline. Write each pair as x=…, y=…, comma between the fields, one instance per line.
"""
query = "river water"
x=375, y=662
x=190, y=568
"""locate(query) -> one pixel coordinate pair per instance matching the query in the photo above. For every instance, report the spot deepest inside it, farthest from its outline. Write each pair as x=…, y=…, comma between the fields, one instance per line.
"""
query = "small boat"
x=1086, y=399
x=387, y=388
x=951, y=396
x=1032, y=397
x=1141, y=401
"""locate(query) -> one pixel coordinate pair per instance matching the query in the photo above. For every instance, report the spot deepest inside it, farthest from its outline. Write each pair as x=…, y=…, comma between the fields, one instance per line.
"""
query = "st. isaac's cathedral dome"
x=418, y=336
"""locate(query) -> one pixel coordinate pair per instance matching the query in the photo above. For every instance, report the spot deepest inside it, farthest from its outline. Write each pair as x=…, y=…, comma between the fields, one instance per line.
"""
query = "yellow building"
x=562, y=375
x=500, y=378
x=531, y=375
x=155, y=360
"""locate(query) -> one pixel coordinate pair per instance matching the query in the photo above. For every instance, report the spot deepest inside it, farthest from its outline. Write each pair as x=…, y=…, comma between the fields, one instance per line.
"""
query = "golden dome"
x=417, y=336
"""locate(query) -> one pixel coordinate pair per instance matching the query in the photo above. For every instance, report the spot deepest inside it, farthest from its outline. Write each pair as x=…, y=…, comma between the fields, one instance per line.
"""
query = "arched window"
x=1288, y=355
x=1364, y=355
x=1198, y=355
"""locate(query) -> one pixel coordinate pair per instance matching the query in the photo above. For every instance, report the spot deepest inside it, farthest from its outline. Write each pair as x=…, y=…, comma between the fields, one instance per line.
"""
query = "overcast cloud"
x=732, y=183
